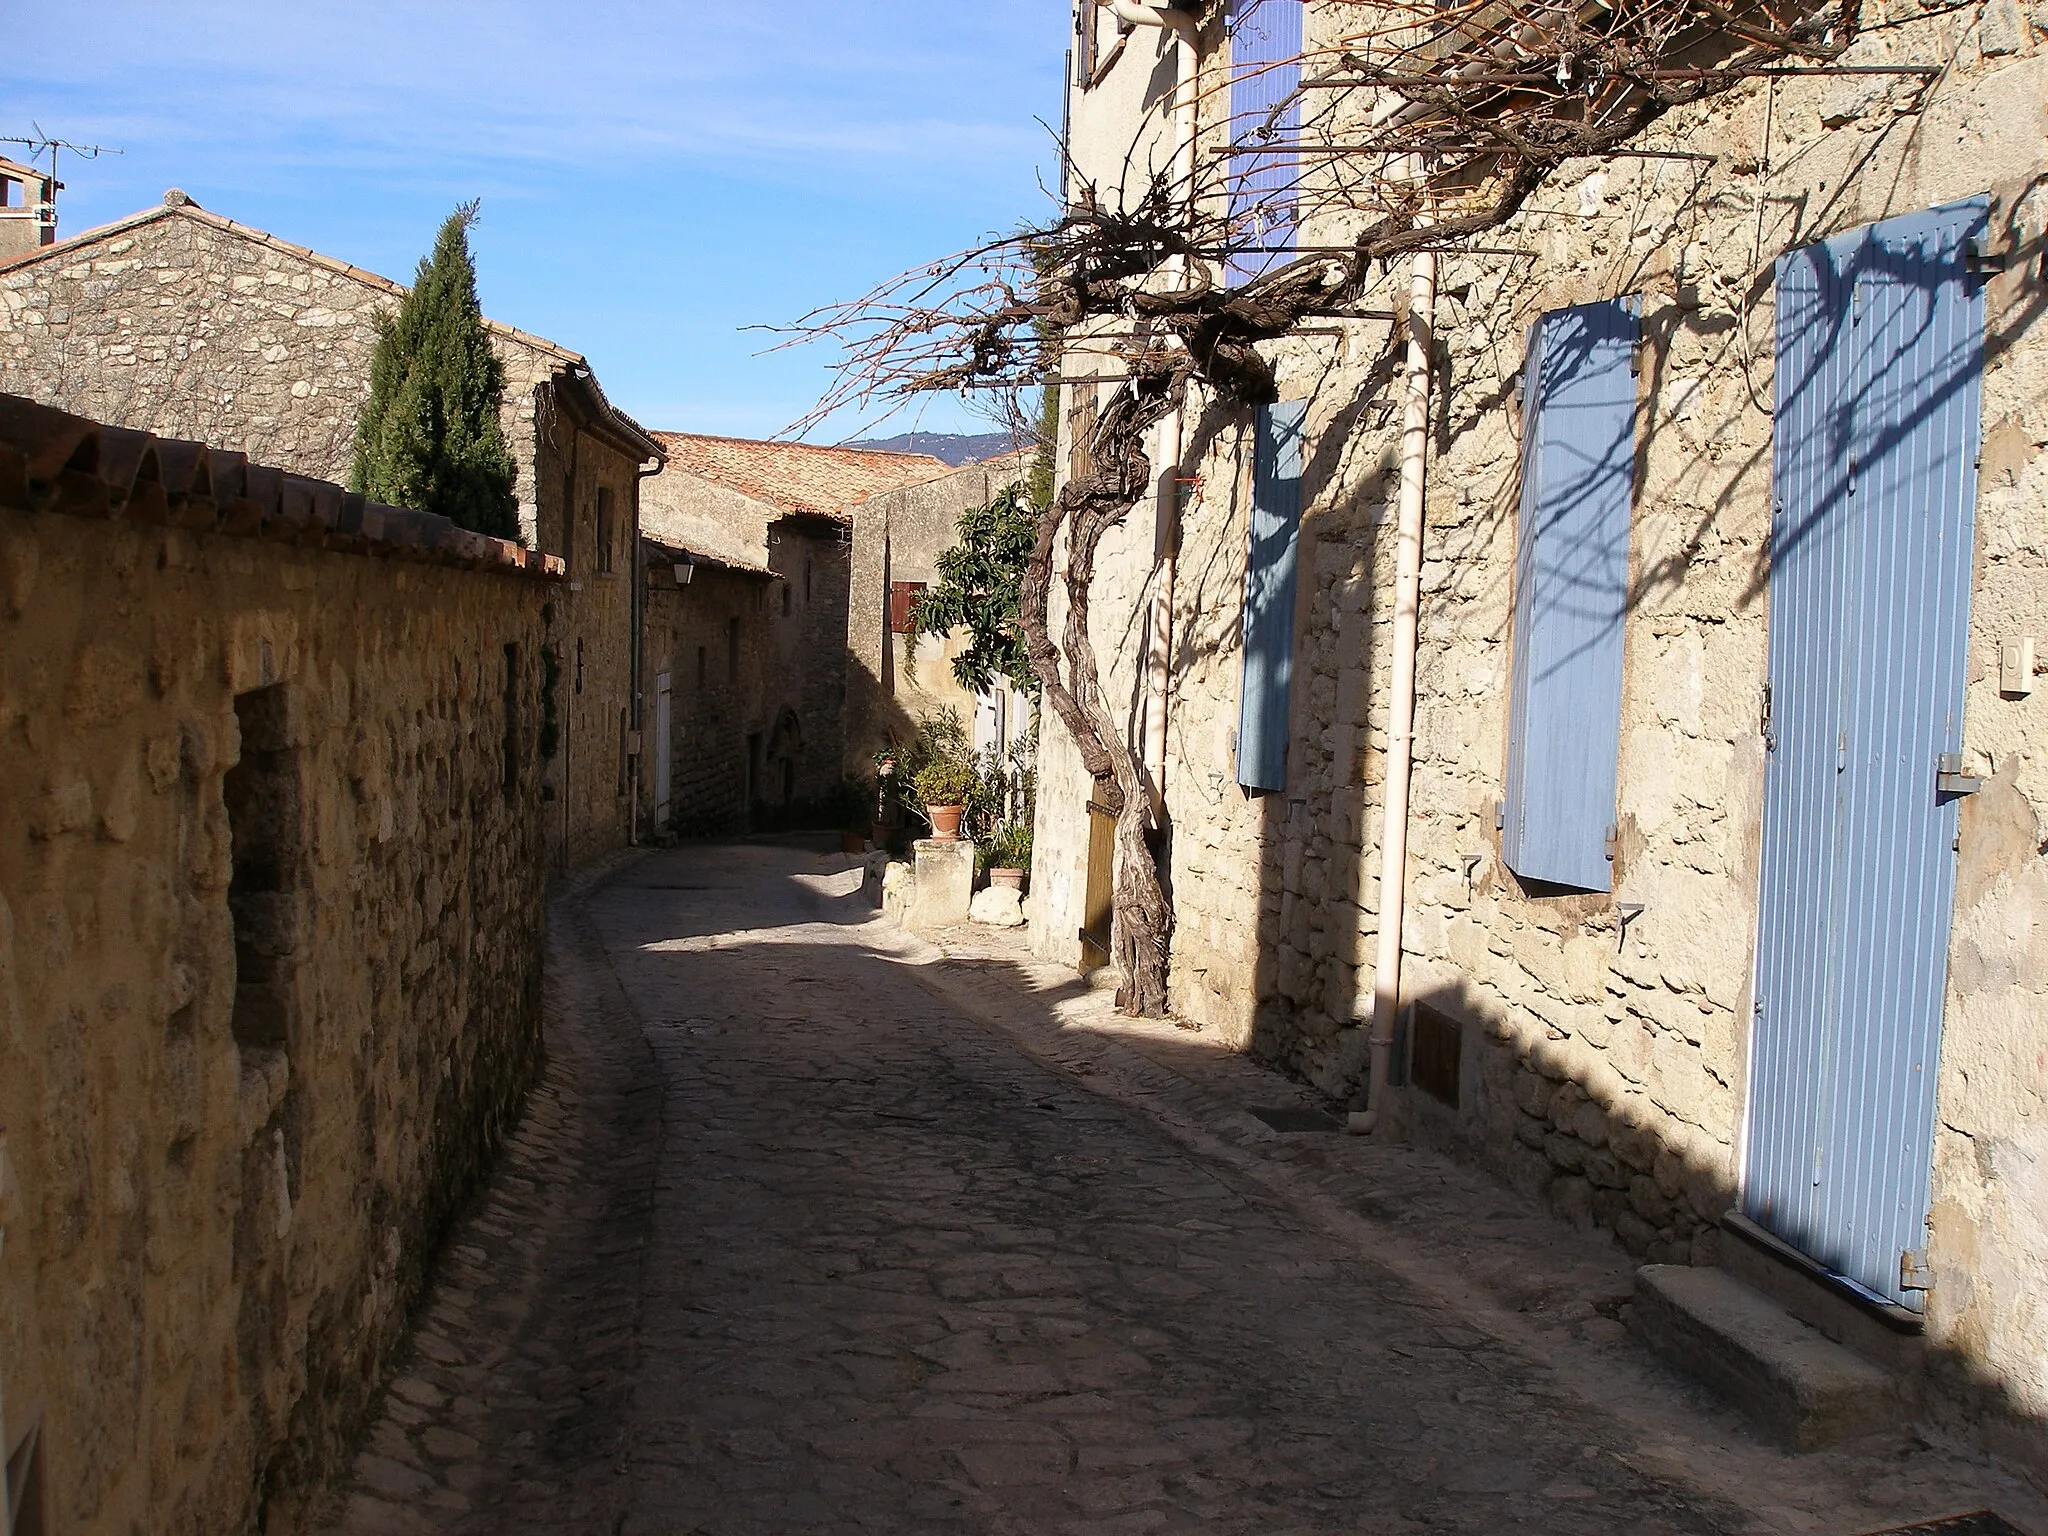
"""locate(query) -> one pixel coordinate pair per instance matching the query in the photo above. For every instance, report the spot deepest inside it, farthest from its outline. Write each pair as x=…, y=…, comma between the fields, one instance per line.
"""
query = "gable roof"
x=176, y=205
x=797, y=477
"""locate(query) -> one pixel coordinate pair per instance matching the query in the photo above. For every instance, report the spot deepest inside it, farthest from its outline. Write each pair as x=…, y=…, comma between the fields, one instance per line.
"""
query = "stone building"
x=898, y=536
x=721, y=735
x=1639, y=679
x=28, y=209
x=781, y=509
x=272, y=861
x=181, y=322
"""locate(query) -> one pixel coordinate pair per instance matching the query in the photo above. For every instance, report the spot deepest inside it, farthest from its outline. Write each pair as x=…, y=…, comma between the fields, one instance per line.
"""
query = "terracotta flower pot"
x=945, y=822
x=853, y=842
x=1006, y=879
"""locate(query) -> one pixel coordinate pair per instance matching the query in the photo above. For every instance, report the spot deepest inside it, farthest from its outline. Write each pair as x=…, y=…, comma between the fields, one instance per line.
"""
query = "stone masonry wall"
x=1607, y=1070
x=271, y=879
x=590, y=777
x=187, y=325
x=898, y=536
x=710, y=637
x=184, y=324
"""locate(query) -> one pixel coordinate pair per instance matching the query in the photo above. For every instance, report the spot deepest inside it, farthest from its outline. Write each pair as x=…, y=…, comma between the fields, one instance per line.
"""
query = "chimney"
x=28, y=209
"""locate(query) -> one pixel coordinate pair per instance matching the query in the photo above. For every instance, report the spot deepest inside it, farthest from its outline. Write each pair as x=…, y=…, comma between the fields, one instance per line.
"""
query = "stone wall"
x=796, y=701
x=898, y=536
x=1608, y=1070
x=183, y=323
x=710, y=639
x=270, y=932
x=587, y=483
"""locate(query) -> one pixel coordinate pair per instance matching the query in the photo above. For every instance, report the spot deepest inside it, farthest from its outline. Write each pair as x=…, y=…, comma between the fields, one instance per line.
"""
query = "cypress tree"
x=429, y=436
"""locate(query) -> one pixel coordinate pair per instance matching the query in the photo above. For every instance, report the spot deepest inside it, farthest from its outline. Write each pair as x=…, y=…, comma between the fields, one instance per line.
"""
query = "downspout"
x=1180, y=23
x=638, y=567
x=1386, y=983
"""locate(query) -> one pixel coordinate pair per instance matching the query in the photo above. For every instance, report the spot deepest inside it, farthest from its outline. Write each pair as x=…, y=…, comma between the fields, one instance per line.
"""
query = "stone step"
x=1801, y=1388
x=1890, y=1335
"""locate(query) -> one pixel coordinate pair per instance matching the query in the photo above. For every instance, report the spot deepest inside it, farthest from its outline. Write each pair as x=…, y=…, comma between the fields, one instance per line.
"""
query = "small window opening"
x=604, y=530
x=579, y=663
x=262, y=798
x=732, y=649
x=902, y=594
x=27, y=1502
x=702, y=674
x=511, y=721
x=569, y=521
x=807, y=581
x=788, y=599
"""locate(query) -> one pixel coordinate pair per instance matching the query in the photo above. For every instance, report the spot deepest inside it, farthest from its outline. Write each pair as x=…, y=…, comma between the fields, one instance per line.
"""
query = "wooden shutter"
x=901, y=595
x=1265, y=686
x=1571, y=594
x=1265, y=69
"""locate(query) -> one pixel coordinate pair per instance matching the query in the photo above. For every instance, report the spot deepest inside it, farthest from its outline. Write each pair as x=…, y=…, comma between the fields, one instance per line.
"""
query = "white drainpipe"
x=1139, y=14
x=1386, y=982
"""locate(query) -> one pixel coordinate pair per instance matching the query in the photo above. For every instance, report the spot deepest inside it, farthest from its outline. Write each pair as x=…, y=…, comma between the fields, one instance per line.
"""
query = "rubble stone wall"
x=271, y=920
x=191, y=327
x=899, y=536
x=710, y=637
x=1608, y=1070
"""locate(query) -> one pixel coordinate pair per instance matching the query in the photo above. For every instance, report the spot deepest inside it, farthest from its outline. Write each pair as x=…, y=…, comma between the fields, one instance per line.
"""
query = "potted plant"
x=942, y=785
x=1009, y=857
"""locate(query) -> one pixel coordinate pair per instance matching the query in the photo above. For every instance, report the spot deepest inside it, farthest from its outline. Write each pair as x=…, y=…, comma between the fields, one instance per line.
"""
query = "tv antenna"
x=43, y=144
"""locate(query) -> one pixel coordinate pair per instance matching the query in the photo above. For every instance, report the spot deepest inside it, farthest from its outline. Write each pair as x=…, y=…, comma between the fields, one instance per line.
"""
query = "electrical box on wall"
x=2016, y=667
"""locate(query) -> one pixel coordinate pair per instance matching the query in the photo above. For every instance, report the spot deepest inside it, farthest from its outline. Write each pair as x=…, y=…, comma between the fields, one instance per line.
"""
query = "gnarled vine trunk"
x=1088, y=508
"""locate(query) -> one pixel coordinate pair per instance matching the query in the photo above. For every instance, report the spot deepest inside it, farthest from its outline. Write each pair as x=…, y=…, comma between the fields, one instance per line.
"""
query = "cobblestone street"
x=816, y=1226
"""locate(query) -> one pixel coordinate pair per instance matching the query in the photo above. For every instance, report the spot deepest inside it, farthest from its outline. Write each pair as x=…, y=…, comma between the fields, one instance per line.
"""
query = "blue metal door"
x=1880, y=358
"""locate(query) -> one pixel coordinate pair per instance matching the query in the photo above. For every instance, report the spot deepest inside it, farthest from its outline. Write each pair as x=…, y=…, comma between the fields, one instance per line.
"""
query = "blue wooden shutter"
x=1269, y=597
x=1571, y=593
x=1876, y=434
x=1262, y=186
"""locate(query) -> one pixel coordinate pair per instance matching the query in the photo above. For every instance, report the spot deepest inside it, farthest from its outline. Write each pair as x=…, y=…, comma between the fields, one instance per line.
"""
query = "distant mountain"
x=955, y=448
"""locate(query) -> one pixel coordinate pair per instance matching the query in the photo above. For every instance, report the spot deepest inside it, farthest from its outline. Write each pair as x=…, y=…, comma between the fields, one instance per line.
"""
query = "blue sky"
x=654, y=176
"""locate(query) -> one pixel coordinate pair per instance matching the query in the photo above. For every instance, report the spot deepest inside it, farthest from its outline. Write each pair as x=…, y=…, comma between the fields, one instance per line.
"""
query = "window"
x=807, y=581
x=261, y=794
x=1571, y=594
x=902, y=595
x=1265, y=70
x=788, y=600
x=1266, y=685
x=579, y=663
x=1087, y=22
x=511, y=721
x=702, y=676
x=604, y=530
x=1081, y=432
x=732, y=649
x=569, y=521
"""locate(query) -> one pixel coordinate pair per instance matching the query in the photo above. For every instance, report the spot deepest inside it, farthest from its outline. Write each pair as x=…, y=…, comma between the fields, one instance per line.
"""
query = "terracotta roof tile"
x=797, y=477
